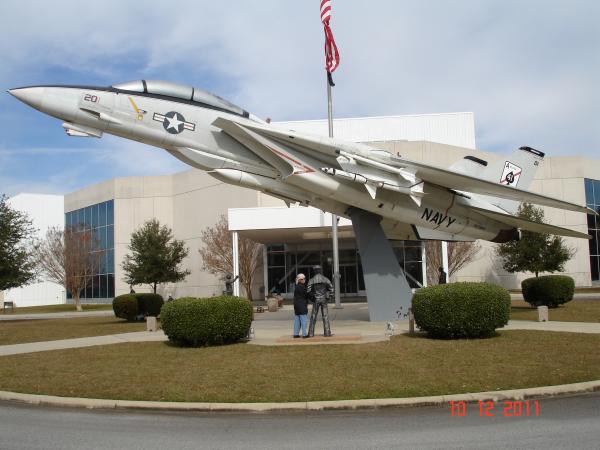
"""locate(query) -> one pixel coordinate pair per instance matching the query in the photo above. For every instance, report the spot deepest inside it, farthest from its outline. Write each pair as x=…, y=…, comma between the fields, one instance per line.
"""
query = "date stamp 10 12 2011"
x=489, y=408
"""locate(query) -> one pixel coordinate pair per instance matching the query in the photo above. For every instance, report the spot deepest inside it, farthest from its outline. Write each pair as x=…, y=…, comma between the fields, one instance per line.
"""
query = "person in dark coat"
x=300, y=306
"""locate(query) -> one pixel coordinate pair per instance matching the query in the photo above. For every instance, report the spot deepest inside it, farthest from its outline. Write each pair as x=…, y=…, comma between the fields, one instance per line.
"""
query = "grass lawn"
x=55, y=309
x=21, y=331
x=405, y=366
x=573, y=311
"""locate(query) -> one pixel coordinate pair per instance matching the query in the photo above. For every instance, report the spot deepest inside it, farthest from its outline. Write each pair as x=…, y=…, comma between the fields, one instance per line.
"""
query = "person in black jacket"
x=300, y=306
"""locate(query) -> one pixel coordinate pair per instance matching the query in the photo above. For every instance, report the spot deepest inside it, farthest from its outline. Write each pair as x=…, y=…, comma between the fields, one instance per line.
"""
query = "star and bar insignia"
x=174, y=122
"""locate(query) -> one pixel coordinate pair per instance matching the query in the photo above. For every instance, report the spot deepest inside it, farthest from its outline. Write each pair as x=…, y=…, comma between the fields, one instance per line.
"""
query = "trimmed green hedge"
x=149, y=304
x=548, y=290
x=461, y=310
x=126, y=307
x=132, y=306
x=198, y=322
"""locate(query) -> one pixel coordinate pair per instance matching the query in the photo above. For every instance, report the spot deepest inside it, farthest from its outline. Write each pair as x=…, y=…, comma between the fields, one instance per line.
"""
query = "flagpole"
x=332, y=60
x=334, y=217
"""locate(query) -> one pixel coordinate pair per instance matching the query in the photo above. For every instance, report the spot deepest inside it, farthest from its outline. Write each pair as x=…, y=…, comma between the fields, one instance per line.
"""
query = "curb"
x=496, y=396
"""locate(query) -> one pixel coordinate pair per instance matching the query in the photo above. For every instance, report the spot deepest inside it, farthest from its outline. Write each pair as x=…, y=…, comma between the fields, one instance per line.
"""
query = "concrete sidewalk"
x=33, y=347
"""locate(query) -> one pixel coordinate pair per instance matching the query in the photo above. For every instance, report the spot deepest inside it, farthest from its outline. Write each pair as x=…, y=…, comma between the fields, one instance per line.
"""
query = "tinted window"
x=110, y=237
x=110, y=286
x=88, y=217
x=80, y=217
x=110, y=265
x=589, y=191
x=102, y=214
x=94, y=216
x=592, y=197
x=110, y=213
x=103, y=291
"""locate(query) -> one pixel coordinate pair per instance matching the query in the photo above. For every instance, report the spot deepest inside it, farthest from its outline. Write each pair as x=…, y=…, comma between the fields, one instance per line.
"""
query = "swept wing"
x=436, y=175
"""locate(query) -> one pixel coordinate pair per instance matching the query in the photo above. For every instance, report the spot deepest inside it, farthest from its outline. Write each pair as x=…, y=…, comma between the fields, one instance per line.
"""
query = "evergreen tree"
x=17, y=264
x=535, y=252
x=155, y=256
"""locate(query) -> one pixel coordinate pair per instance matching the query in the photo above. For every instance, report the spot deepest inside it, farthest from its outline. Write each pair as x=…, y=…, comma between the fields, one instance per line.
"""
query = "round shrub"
x=461, y=310
x=149, y=304
x=126, y=307
x=548, y=290
x=197, y=322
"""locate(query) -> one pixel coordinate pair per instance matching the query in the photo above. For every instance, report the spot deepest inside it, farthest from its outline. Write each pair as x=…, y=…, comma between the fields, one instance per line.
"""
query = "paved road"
x=564, y=423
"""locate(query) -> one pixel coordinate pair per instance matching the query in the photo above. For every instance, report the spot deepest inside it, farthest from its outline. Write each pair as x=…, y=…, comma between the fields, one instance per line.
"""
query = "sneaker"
x=305, y=337
x=296, y=336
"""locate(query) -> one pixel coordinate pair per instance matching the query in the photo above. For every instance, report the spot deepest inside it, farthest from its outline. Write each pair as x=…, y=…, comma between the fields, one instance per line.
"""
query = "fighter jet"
x=387, y=197
x=472, y=199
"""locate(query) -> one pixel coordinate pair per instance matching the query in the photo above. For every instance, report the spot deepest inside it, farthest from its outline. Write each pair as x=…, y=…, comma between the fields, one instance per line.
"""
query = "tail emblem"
x=510, y=174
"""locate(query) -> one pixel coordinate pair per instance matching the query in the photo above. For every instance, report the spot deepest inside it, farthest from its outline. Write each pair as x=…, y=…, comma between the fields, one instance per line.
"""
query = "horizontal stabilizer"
x=528, y=225
x=467, y=183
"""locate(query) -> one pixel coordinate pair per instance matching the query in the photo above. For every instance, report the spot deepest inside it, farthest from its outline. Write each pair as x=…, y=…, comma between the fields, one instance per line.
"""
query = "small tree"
x=17, y=264
x=69, y=258
x=459, y=255
x=217, y=254
x=155, y=256
x=535, y=252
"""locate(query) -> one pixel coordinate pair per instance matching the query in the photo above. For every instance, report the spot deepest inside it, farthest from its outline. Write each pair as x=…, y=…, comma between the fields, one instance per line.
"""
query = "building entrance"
x=285, y=261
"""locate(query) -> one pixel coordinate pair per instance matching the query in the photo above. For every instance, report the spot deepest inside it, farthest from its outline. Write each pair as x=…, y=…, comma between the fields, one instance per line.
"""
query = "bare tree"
x=459, y=255
x=217, y=254
x=69, y=258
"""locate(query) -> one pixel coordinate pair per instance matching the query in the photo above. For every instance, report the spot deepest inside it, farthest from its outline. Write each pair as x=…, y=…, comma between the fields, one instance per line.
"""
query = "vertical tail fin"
x=516, y=170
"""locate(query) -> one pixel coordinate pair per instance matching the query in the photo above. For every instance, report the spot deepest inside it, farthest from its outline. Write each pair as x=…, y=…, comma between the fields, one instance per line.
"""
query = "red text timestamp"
x=489, y=408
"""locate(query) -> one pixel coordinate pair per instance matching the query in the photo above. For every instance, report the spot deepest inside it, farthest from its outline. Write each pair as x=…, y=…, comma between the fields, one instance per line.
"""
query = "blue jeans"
x=300, y=320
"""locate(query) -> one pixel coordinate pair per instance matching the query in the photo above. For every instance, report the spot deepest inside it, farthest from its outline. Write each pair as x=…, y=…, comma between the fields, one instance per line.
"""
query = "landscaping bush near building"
x=548, y=290
x=149, y=304
x=198, y=322
x=136, y=306
x=126, y=307
x=461, y=310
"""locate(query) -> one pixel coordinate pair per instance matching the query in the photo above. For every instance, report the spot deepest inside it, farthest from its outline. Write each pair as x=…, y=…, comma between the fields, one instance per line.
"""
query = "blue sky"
x=529, y=70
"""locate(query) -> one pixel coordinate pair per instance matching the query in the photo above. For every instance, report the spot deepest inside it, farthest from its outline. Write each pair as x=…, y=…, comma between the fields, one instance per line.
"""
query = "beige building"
x=190, y=201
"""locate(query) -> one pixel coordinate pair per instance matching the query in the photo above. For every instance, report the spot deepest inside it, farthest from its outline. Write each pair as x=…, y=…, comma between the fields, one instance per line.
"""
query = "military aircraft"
x=469, y=200
x=386, y=196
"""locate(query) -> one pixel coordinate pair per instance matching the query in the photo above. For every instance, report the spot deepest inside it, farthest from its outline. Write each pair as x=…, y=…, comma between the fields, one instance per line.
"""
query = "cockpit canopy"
x=181, y=91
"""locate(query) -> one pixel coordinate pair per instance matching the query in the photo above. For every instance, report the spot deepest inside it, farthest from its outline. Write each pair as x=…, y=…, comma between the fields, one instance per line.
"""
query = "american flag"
x=332, y=56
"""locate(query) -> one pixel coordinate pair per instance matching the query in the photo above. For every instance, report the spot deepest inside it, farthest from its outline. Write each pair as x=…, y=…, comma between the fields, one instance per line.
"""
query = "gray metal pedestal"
x=388, y=293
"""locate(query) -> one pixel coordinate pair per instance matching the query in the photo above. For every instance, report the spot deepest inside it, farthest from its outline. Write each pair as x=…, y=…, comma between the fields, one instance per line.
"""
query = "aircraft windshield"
x=181, y=91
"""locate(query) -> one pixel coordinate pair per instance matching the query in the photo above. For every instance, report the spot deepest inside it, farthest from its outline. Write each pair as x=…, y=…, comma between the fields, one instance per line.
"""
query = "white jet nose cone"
x=29, y=95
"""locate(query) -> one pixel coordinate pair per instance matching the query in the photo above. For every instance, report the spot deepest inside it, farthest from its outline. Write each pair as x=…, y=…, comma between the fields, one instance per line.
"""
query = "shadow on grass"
x=425, y=335
x=172, y=344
